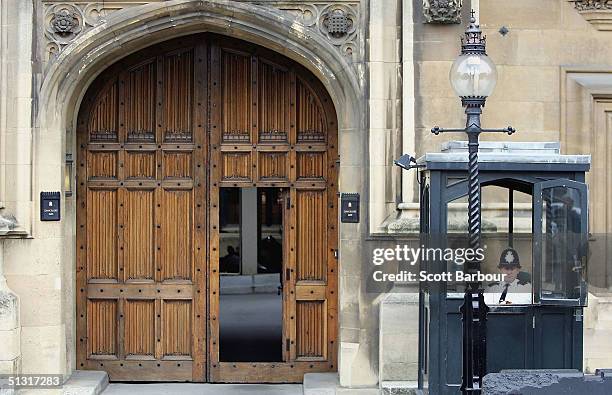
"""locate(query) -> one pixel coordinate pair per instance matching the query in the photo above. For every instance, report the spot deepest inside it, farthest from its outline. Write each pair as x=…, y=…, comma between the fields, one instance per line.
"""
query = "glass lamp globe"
x=473, y=75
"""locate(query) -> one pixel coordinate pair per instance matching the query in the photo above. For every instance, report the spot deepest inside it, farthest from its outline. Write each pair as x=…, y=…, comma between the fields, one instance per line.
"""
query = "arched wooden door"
x=159, y=133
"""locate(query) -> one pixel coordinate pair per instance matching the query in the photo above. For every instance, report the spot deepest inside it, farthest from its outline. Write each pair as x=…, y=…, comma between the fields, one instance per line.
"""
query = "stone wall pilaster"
x=10, y=329
x=385, y=110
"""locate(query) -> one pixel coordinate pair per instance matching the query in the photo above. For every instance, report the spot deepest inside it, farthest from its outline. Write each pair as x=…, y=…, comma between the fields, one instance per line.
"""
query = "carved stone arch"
x=74, y=68
x=68, y=76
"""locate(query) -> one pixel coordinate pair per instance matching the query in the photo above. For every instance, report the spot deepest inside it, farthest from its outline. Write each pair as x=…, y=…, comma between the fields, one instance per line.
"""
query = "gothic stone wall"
x=41, y=90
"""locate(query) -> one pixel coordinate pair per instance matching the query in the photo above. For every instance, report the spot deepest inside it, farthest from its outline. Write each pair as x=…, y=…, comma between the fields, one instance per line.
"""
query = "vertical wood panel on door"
x=141, y=275
x=285, y=136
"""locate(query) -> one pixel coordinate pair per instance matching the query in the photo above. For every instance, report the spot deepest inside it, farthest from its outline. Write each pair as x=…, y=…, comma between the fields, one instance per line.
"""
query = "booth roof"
x=505, y=152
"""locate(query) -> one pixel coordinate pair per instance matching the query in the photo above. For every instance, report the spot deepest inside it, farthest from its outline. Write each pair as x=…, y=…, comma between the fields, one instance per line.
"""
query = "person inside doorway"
x=270, y=255
x=230, y=263
x=515, y=288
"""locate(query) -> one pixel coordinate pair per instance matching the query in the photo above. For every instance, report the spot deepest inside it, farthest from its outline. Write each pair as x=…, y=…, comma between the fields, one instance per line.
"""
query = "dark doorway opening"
x=250, y=300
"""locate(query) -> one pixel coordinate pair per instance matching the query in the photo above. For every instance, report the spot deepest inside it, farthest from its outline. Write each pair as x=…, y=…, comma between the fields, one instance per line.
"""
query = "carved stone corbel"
x=442, y=11
x=597, y=12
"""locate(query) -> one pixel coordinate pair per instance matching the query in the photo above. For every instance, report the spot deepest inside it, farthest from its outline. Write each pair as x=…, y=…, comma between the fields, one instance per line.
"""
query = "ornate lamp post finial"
x=473, y=42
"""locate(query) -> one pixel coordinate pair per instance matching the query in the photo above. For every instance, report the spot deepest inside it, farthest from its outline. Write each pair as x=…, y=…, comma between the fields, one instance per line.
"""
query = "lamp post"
x=473, y=78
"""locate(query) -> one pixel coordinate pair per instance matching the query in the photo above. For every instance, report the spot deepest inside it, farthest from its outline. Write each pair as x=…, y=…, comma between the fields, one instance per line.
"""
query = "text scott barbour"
x=410, y=255
x=457, y=276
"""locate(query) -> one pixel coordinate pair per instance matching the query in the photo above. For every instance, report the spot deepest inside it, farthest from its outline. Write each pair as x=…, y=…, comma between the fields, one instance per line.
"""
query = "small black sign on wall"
x=349, y=204
x=49, y=206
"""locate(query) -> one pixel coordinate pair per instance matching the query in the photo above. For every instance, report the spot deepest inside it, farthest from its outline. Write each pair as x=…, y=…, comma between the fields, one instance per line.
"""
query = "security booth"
x=534, y=226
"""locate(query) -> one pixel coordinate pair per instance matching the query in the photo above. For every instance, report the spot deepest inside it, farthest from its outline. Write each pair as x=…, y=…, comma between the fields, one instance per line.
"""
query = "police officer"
x=515, y=288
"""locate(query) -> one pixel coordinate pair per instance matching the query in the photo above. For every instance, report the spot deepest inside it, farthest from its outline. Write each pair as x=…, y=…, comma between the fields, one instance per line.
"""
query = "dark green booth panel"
x=521, y=337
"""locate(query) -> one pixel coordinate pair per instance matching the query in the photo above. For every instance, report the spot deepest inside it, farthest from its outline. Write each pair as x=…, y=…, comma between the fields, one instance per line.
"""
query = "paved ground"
x=203, y=389
x=251, y=328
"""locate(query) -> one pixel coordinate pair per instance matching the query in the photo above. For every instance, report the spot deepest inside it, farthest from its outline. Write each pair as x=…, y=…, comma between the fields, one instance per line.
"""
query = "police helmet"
x=509, y=257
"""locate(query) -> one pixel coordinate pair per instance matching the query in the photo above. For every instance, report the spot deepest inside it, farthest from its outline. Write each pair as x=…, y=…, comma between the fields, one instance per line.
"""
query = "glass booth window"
x=506, y=223
x=563, y=244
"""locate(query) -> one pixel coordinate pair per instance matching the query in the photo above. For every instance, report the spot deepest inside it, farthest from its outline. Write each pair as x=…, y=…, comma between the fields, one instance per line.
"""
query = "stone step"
x=320, y=383
x=202, y=389
x=357, y=391
x=86, y=382
x=400, y=388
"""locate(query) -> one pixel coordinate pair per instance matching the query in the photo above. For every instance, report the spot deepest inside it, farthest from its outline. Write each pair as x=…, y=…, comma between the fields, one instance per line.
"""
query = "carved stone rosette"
x=442, y=11
x=338, y=21
x=339, y=24
x=65, y=21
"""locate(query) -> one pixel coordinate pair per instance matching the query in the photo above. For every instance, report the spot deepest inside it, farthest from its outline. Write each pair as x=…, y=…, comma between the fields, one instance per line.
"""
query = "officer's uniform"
x=516, y=292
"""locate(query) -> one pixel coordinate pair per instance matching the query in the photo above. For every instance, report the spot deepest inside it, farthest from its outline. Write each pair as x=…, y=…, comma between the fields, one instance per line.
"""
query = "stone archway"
x=69, y=75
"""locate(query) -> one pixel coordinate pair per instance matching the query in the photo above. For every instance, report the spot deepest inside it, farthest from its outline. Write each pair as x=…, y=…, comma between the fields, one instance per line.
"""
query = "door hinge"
x=336, y=253
x=287, y=344
x=533, y=322
x=287, y=274
x=288, y=202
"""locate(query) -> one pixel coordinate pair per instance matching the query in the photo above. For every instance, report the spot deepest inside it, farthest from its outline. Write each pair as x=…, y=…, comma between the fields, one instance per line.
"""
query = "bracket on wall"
x=442, y=11
x=597, y=12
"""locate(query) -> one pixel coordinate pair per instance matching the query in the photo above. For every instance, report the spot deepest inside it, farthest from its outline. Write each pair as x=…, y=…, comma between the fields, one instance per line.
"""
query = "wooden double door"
x=159, y=133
